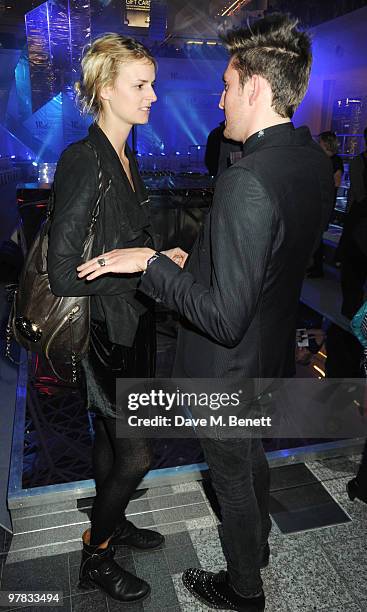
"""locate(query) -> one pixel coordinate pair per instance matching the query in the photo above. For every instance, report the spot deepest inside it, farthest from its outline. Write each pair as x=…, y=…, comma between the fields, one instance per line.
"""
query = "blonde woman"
x=117, y=88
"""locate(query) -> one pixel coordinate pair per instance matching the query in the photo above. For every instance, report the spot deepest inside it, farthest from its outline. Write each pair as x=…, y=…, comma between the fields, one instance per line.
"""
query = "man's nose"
x=221, y=101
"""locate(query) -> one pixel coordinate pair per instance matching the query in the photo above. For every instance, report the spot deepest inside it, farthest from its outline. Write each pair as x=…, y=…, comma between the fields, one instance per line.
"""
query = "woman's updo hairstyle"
x=100, y=65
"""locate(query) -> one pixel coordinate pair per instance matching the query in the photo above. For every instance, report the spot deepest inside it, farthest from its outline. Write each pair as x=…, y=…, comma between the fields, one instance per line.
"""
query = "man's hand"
x=177, y=255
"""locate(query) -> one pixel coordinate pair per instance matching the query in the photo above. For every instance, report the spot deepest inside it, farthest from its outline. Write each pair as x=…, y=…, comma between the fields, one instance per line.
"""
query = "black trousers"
x=240, y=475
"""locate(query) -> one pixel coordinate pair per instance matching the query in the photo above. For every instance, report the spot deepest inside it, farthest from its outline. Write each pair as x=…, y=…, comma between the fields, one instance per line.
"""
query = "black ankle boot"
x=354, y=490
x=216, y=592
x=142, y=539
x=98, y=568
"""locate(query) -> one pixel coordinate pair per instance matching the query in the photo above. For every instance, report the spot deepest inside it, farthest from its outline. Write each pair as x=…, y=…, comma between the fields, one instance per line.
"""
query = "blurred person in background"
x=352, y=251
x=329, y=143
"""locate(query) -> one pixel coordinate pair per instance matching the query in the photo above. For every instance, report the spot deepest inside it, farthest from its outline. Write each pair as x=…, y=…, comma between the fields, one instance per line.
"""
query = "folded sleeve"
x=242, y=226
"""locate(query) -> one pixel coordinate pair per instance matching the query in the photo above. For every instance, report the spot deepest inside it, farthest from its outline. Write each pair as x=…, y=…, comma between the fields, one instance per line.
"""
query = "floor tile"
x=65, y=606
x=208, y=549
x=357, y=512
x=116, y=606
x=305, y=507
x=159, y=491
x=187, y=486
x=163, y=595
x=335, y=467
x=305, y=578
x=288, y=476
x=345, y=608
x=143, y=520
x=161, y=517
x=195, y=511
x=337, y=485
x=181, y=558
x=172, y=528
x=348, y=557
x=75, y=557
x=177, y=540
x=176, y=500
x=150, y=563
x=47, y=573
x=181, y=513
x=90, y=602
x=136, y=506
x=200, y=523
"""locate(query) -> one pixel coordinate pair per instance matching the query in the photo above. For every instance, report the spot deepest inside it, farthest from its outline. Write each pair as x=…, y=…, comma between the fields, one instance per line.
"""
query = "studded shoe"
x=141, y=539
x=215, y=591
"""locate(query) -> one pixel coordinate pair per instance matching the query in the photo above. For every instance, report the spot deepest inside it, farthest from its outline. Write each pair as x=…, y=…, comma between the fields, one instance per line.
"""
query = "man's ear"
x=254, y=84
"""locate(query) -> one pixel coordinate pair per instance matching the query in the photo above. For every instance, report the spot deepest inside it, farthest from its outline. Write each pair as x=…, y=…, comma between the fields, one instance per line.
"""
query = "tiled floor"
x=322, y=570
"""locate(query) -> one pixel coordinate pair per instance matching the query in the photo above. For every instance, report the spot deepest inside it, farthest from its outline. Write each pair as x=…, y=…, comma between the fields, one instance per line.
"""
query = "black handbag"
x=52, y=326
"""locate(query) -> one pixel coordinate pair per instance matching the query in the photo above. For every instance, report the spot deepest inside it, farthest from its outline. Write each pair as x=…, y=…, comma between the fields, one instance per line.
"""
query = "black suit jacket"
x=240, y=289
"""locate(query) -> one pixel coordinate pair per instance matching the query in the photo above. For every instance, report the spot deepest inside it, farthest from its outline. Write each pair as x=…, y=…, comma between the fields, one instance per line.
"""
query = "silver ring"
x=101, y=261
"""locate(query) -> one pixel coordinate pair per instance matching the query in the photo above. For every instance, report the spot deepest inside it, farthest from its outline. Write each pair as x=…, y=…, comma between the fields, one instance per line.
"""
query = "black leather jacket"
x=123, y=222
x=240, y=289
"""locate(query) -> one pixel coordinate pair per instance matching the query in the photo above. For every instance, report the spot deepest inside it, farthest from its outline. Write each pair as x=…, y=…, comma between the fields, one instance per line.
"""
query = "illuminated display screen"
x=138, y=13
x=138, y=5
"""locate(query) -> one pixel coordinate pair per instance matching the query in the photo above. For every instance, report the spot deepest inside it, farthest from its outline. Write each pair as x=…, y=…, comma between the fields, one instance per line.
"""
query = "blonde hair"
x=100, y=65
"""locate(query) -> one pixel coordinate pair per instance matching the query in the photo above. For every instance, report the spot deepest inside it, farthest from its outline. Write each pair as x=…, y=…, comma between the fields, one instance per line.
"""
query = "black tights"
x=119, y=464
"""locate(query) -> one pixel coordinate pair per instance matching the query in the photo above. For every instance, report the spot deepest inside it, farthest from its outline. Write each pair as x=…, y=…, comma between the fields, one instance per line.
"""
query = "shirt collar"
x=276, y=134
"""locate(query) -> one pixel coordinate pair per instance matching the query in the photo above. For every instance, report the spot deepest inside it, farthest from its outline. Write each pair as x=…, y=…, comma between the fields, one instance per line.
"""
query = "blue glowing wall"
x=187, y=108
x=339, y=70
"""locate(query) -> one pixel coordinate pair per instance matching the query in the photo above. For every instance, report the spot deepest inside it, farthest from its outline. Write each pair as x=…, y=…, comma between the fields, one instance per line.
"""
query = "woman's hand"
x=125, y=261
x=119, y=261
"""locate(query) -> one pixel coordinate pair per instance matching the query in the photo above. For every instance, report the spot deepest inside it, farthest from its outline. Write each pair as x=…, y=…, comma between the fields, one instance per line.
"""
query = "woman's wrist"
x=146, y=255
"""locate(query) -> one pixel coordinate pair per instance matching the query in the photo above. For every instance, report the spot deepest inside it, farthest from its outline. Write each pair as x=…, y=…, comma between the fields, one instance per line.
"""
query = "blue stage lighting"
x=34, y=164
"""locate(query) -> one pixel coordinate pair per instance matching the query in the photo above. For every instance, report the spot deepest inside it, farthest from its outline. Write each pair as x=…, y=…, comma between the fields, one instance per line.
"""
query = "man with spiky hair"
x=240, y=289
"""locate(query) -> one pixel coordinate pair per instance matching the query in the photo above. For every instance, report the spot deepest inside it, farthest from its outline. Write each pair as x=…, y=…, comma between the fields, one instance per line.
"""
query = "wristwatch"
x=151, y=259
